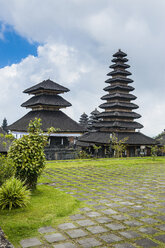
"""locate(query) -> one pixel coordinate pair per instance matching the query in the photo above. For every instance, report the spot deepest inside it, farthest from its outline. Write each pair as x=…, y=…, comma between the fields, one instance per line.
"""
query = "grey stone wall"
x=60, y=153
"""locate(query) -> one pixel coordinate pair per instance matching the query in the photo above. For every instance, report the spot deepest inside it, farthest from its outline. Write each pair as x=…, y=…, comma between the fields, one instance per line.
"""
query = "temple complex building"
x=118, y=116
x=46, y=104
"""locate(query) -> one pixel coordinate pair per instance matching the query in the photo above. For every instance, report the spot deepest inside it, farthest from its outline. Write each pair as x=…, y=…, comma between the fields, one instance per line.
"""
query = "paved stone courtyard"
x=124, y=209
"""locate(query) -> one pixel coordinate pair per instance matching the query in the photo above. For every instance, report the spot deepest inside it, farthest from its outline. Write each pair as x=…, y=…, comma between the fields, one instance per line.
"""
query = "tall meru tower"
x=118, y=116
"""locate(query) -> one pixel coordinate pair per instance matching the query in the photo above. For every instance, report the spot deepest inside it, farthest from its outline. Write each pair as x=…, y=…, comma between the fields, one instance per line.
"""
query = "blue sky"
x=72, y=43
x=13, y=47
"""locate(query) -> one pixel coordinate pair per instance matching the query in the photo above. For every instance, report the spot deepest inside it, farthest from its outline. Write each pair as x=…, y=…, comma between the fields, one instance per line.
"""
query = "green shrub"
x=14, y=194
x=27, y=154
x=83, y=155
x=6, y=169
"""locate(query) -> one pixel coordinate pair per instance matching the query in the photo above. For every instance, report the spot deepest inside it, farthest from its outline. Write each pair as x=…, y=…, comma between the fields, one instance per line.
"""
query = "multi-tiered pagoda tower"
x=118, y=116
x=46, y=104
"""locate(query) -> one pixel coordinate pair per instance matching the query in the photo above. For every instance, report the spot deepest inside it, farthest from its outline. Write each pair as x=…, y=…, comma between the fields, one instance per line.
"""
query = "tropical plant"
x=96, y=149
x=6, y=169
x=14, y=194
x=154, y=151
x=27, y=154
x=119, y=146
x=83, y=155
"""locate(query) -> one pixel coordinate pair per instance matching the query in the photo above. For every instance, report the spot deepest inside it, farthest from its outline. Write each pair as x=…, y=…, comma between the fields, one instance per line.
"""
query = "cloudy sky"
x=72, y=42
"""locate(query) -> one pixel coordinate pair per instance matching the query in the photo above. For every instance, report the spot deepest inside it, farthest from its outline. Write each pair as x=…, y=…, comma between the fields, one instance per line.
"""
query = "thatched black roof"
x=119, y=96
x=121, y=105
x=119, y=59
x=119, y=79
x=95, y=112
x=119, y=65
x=118, y=124
x=46, y=100
x=134, y=138
x=119, y=87
x=119, y=53
x=119, y=72
x=56, y=119
x=46, y=85
x=119, y=114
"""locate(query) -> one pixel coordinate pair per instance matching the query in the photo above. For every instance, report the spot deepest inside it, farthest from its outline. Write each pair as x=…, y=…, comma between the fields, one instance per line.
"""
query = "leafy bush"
x=83, y=155
x=27, y=154
x=14, y=194
x=6, y=169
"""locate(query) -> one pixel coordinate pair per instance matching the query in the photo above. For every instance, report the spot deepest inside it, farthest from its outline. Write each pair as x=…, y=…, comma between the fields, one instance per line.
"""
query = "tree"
x=27, y=154
x=4, y=125
x=119, y=146
x=154, y=151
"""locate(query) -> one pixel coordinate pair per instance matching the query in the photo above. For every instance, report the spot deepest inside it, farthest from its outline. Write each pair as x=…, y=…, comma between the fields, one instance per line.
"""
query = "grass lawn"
x=51, y=206
x=48, y=206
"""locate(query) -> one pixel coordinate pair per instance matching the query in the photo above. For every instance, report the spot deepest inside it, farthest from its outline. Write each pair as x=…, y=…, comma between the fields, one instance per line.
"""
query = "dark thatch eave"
x=134, y=138
x=120, y=60
x=118, y=114
x=46, y=85
x=56, y=119
x=95, y=112
x=119, y=72
x=119, y=79
x=43, y=99
x=119, y=65
x=118, y=96
x=119, y=53
x=118, y=124
x=119, y=87
x=121, y=105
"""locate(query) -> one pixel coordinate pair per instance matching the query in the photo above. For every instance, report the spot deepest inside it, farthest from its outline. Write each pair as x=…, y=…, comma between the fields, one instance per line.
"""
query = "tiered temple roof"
x=46, y=104
x=118, y=115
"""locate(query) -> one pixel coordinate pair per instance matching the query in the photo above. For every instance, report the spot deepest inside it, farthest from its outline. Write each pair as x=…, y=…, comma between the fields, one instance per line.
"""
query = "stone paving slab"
x=160, y=238
x=46, y=229
x=30, y=242
x=55, y=237
x=89, y=242
x=124, y=245
x=65, y=245
x=77, y=233
x=124, y=209
x=146, y=243
x=96, y=229
x=110, y=238
x=85, y=222
x=115, y=226
x=66, y=226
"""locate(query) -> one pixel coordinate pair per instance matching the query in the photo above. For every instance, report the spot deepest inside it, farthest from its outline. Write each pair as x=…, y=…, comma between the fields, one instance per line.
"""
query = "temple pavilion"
x=118, y=115
x=46, y=104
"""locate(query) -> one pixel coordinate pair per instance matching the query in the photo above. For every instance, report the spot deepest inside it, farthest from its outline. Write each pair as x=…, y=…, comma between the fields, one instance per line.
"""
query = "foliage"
x=4, y=124
x=96, y=149
x=119, y=146
x=6, y=169
x=27, y=154
x=83, y=155
x=48, y=207
x=154, y=151
x=6, y=139
x=14, y=194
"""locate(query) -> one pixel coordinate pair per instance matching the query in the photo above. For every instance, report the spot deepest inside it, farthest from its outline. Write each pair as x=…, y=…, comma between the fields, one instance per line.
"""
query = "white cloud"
x=57, y=62
x=79, y=38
